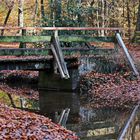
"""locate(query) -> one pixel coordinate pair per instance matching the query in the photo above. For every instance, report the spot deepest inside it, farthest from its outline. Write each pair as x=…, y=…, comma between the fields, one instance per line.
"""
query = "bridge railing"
x=60, y=28
x=63, y=38
x=47, y=38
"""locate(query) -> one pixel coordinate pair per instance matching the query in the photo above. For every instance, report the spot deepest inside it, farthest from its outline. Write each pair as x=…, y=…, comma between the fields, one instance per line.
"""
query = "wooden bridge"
x=53, y=57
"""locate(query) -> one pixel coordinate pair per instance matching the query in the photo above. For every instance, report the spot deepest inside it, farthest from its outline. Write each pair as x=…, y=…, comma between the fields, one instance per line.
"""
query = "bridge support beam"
x=130, y=60
x=52, y=81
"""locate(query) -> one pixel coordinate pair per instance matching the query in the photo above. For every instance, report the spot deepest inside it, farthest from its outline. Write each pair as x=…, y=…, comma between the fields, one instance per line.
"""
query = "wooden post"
x=130, y=60
x=58, y=62
x=58, y=55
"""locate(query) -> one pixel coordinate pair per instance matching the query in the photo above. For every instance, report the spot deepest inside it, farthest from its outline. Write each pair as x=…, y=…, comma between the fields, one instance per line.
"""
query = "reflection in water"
x=89, y=124
x=54, y=102
x=99, y=124
x=102, y=124
x=133, y=131
x=18, y=101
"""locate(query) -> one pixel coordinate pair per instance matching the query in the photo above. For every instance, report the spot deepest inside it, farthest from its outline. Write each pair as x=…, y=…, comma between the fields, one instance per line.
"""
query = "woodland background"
x=73, y=13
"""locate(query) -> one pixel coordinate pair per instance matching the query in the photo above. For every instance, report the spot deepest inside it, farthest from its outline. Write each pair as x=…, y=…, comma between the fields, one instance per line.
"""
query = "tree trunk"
x=58, y=10
x=42, y=11
x=79, y=18
x=138, y=19
x=103, y=16
x=92, y=3
x=11, y=99
x=123, y=8
x=21, y=20
x=36, y=10
x=52, y=16
x=20, y=13
x=97, y=18
x=10, y=5
x=6, y=20
x=128, y=21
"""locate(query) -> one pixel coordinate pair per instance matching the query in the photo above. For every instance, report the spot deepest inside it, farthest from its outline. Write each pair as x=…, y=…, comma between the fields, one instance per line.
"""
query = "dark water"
x=89, y=124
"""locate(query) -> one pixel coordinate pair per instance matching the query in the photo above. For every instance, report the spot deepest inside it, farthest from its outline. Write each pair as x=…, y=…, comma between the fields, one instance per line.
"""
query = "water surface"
x=89, y=124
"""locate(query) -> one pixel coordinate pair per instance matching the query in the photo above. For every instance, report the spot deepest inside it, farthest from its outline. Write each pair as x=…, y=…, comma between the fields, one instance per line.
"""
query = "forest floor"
x=16, y=124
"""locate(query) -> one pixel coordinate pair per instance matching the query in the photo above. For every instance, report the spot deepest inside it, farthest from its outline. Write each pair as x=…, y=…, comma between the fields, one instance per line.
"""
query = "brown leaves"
x=110, y=90
x=17, y=124
x=24, y=92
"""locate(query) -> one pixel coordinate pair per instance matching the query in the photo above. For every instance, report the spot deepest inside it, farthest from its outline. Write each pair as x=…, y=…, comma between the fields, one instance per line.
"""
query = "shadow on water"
x=89, y=124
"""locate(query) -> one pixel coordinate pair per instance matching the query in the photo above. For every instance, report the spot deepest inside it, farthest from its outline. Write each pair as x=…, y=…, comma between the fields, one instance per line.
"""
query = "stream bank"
x=16, y=124
x=115, y=90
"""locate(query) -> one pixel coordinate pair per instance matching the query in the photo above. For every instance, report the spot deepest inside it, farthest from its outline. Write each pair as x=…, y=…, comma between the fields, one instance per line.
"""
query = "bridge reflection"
x=89, y=124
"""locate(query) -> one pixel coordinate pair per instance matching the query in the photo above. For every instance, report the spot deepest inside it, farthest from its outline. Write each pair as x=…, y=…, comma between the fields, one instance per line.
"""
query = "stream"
x=89, y=124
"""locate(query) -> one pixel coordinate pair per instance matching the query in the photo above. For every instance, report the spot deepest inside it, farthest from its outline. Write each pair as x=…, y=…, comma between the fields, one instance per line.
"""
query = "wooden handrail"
x=60, y=28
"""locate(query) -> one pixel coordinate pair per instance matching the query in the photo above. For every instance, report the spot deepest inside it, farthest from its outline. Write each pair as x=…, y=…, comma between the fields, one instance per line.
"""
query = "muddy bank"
x=21, y=83
x=117, y=90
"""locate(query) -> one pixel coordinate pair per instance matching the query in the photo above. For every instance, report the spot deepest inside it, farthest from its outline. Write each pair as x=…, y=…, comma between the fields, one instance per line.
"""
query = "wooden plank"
x=30, y=64
x=32, y=39
x=130, y=60
x=24, y=39
x=57, y=52
x=60, y=28
x=45, y=51
x=23, y=52
x=25, y=65
x=137, y=41
x=58, y=61
x=55, y=41
x=137, y=32
x=86, y=39
x=90, y=126
x=137, y=35
x=64, y=117
x=137, y=38
x=101, y=137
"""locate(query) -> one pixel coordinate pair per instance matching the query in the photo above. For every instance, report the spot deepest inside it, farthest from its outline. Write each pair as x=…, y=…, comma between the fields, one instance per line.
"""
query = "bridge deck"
x=32, y=62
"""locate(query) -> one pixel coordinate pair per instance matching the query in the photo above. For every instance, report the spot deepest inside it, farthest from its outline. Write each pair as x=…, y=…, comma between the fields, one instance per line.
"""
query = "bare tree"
x=35, y=11
x=21, y=20
x=10, y=5
x=20, y=13
x=103, y=16
x=128, y=20
x=42, y=10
